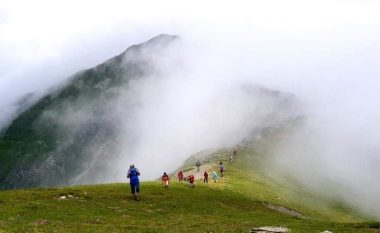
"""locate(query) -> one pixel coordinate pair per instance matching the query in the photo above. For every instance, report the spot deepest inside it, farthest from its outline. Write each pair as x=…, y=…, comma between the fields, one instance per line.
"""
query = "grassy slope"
x=235, y=204
x=31, y=138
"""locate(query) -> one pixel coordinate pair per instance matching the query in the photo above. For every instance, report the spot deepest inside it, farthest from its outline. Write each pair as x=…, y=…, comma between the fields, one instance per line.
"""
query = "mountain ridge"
x=28, y=138
x=73, y=134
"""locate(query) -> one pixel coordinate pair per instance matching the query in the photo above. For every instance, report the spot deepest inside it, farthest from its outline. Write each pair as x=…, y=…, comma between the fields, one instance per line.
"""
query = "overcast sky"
x=279, y=43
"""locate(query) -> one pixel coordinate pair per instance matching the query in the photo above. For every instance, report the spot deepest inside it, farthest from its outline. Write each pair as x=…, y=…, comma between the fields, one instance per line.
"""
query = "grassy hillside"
x=37, y=135
x=52, y=141
x=246, y=197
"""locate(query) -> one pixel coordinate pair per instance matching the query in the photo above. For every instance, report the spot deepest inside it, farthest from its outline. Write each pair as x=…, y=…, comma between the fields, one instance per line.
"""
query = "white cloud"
x=326, y=52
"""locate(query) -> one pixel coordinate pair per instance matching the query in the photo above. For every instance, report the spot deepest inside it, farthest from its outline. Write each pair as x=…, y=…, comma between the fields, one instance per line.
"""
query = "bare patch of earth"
x=285, y=210
x=269, y=229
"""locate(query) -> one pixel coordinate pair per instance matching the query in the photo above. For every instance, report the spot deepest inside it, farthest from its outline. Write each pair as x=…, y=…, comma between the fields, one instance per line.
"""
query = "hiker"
x=133, y=175
x=231, y=159
x=180, y=176
x=165, y=180
x=198, y=164
x=191, y=179
x=205, y=179
x=214, y=176
x=221, y=167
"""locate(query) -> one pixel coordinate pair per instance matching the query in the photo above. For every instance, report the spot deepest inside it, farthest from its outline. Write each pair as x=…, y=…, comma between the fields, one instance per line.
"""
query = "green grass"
x=33, y=136
x=254, y=182
x=109, y=208
x=235, y=203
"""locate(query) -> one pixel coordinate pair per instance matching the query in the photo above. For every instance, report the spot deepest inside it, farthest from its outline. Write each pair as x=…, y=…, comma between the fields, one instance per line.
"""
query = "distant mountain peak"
x=161, y=38
x=151, y=46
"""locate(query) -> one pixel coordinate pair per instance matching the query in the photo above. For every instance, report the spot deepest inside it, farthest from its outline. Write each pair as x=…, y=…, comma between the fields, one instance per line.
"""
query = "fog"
x=323, y=52
x=187, y=105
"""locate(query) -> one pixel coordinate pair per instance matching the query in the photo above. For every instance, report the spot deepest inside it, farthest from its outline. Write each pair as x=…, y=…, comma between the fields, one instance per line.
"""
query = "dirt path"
x=199, y=175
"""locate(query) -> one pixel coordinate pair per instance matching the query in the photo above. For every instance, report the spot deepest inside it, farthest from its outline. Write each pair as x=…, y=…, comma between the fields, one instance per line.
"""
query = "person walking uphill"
x=198, y=164
x=214, y=176
x=205, y=179
x=191, y=180
x=221, y=167
x=180, y=176
x=165, y=180
x=133, y=175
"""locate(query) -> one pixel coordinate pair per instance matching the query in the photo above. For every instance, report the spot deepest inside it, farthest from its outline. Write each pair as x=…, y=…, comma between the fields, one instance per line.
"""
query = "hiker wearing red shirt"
x=165, y=180
x=191, y=179
x=205, y=179
x=180, y=176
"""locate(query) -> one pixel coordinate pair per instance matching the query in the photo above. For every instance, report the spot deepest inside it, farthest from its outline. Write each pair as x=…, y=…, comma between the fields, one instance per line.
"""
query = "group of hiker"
x=190, y=178
x=134, y=173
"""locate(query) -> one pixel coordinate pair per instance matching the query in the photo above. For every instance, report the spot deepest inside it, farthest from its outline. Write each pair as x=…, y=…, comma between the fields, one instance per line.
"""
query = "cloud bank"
x=324, y=52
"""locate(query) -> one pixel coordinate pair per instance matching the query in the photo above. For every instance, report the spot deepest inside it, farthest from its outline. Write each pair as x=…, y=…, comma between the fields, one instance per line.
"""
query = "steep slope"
x=57, y=138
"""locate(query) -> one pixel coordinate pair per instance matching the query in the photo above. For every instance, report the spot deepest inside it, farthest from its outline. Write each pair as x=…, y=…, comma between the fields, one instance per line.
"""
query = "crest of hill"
x=34, y=150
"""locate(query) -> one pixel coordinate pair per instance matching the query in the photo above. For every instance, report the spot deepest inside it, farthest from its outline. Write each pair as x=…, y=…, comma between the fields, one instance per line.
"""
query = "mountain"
x=70, y=136
x=75, y=134
x=35, y=150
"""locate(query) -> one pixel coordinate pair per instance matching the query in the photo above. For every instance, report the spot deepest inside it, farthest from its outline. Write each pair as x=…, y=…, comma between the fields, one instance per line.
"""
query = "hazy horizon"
x=323, y=52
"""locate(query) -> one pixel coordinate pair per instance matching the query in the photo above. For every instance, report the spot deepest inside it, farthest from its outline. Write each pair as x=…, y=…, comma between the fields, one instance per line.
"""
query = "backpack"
x=134, y=176
x=132, y=173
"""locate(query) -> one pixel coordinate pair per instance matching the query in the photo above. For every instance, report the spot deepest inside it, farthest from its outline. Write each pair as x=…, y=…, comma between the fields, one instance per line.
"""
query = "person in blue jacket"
x=214, y=176
x=133, y=175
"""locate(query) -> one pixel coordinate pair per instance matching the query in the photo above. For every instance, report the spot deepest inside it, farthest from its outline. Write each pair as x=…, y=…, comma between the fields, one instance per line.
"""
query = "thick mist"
x=174, y=109
x=339, y=161
x=325, y=53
